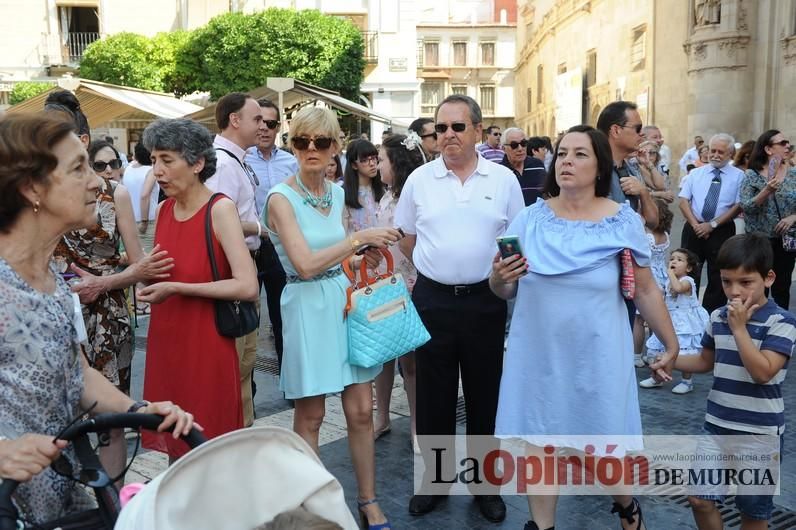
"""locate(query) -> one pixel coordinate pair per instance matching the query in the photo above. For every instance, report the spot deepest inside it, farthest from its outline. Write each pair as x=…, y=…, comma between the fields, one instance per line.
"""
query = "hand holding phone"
x=509, y=246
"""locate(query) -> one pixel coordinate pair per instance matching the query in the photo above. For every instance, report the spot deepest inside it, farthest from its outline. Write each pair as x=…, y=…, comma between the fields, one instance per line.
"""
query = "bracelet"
x=138, y=405
x=355, y=243
x=259, y=229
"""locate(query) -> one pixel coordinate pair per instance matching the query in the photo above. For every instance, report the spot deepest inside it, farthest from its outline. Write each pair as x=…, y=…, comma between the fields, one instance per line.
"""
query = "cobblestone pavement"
x=662, y=413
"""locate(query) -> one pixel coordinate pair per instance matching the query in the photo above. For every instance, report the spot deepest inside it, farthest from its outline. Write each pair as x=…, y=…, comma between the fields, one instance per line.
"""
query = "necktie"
x=712, y=198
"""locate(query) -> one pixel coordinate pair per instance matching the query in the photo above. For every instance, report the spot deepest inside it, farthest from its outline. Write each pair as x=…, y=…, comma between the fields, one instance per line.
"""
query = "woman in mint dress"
x=569, y=368
x=304, y=219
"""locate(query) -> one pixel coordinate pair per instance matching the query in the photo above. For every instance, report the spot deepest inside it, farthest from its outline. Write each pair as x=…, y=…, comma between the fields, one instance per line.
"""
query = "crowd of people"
x=78, y=225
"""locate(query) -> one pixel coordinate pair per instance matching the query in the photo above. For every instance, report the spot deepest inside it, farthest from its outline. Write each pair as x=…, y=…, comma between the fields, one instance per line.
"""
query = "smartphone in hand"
x=509, y=246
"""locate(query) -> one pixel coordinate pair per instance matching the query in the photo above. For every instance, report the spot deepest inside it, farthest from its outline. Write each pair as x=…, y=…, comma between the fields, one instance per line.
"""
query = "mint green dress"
x=315, y=358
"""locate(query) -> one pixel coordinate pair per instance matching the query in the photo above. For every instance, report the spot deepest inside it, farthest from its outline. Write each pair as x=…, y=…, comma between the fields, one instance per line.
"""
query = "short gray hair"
x=192, y=141
x=475, y=110
x=510, y=130
x=723, y=137
x=649, y=127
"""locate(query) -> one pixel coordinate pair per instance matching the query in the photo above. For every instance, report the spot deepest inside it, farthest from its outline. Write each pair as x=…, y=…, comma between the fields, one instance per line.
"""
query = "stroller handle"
x=98, y=423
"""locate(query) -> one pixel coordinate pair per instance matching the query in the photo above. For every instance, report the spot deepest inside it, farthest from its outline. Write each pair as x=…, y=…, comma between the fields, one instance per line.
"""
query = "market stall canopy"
x=104, y=103
x=288, y=92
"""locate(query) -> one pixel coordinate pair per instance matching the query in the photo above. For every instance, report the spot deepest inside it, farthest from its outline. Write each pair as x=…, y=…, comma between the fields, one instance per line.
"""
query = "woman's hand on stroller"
x=25, y=457
x=173, y=415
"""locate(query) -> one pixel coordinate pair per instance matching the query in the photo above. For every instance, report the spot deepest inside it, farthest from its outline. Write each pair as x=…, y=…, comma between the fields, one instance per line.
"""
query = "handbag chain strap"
x=209, y=235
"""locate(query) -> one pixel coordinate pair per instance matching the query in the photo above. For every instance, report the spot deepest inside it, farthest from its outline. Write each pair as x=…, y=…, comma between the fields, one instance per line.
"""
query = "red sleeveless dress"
x=187, y=361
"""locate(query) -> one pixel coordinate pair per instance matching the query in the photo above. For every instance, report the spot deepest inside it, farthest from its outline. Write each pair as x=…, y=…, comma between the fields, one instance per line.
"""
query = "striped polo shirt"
x=736, y=401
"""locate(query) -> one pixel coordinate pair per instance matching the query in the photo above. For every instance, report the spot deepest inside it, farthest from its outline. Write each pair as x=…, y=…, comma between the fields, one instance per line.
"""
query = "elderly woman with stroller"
x=46, y=190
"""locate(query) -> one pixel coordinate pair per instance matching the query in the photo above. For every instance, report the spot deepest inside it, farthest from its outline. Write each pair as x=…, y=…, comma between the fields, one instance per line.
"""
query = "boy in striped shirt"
x=747, y=347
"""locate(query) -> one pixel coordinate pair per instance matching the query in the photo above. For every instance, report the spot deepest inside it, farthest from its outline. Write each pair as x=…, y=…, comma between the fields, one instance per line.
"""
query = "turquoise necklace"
x=323, y=202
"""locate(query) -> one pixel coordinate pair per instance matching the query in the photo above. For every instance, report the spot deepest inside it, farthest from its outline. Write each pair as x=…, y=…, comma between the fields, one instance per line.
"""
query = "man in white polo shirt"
x=451, y=211
x=239, y=119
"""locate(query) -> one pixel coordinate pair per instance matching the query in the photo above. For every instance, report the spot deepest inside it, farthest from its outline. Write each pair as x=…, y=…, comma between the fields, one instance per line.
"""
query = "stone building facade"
x=694, y=67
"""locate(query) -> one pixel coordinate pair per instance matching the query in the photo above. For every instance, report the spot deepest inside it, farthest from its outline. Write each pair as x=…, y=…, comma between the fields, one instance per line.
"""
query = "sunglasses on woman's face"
x=783, y=143
x=302, y=143
x=456, y=126
x=515, y=145
x=99, y=166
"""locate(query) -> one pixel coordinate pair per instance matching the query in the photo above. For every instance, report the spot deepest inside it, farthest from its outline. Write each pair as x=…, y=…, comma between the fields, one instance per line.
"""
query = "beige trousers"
x=247, y=354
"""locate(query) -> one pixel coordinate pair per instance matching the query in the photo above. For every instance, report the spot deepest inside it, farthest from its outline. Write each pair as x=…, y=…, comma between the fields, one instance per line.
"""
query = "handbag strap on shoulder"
x=209, y=235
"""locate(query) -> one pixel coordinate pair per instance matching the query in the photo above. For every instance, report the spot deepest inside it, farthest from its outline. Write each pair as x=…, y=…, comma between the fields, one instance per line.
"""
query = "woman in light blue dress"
x=304, y=219
x=568, y=368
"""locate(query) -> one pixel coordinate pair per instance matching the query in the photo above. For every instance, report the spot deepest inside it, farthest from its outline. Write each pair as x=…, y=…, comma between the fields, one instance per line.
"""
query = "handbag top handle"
x=365, y=279
x=209, y=235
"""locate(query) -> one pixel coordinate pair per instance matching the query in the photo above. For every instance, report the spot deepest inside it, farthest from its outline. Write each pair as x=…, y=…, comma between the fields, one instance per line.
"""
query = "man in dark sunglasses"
x=491, y=149
x=621, y=123
x=529, y=171
x=451, y=210
x=239, y=118
x=424, y=127
x=272, y=166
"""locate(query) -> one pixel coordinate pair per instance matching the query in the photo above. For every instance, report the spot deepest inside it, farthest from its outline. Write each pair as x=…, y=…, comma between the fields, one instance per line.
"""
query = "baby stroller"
x=239, y=481
x=91, y=473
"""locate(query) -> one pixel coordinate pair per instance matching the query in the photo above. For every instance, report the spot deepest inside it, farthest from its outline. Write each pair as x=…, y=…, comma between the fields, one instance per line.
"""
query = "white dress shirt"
x=689, y=157
x=232, y=180
x=456, y=224
x=695, y=189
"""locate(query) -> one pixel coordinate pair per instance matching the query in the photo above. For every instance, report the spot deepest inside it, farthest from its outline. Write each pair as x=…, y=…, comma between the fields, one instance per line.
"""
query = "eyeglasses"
x=302, y=143
x=100, y=166
x=372, y=159
x=637, y=127
x=432, y=135
x=783, y=143
x=271, y=124
x=515, y=145
x=496, y=133
x=456, y=126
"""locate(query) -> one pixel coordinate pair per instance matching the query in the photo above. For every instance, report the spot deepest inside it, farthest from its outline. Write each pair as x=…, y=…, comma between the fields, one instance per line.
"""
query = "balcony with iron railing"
x=68, y=49
x=371, y=50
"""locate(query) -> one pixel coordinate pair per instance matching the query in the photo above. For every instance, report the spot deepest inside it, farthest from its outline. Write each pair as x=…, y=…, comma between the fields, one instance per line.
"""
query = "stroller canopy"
x=238, y=481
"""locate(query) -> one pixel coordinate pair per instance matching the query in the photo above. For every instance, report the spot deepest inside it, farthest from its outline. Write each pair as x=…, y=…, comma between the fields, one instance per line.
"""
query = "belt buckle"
x=460, y=290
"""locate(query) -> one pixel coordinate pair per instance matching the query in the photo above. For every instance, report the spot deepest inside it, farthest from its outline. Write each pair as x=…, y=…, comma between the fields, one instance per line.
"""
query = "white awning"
x=103, y=103
x=295, y=92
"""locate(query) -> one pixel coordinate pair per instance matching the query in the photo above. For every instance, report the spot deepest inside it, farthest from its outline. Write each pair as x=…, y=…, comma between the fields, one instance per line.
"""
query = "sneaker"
x=649, y=383
x=684, y=387
x=638, y=360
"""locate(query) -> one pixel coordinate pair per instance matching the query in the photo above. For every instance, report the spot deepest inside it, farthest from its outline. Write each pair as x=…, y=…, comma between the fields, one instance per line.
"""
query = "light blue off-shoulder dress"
x=569, y=368
x=315, y=337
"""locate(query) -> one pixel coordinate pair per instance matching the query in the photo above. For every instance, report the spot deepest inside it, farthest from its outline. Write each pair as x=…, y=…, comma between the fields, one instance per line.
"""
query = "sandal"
x=630, y=512
x=363, y=519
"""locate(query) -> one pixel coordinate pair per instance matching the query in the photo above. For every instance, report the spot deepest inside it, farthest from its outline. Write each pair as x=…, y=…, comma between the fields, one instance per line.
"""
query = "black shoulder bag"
x=234, y=318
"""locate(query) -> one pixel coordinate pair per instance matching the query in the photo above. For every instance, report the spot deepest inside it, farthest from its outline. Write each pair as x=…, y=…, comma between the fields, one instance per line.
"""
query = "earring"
x=36, y=206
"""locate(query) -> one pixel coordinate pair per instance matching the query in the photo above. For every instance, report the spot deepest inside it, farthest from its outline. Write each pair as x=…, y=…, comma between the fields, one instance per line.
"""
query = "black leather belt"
x=456, y=290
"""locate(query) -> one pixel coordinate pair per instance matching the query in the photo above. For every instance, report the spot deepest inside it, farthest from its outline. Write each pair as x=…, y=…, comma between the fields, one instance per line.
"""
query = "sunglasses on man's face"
x=496, y=133
x=515, y=145
x=99, y=166
x=302, y=143
x=457, y=126
x=432, y=135
x=271, y=124
x=637, y=127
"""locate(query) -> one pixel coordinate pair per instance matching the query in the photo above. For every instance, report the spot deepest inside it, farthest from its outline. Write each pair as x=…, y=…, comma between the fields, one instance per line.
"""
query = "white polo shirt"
x=695, y=189
x=456, y=224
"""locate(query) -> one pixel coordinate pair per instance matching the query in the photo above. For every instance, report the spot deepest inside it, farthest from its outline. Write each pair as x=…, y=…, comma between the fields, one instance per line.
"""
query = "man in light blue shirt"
x=271, y=165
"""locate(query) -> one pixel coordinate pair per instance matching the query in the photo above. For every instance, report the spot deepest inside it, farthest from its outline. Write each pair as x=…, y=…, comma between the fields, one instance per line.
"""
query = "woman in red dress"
x=186, y=357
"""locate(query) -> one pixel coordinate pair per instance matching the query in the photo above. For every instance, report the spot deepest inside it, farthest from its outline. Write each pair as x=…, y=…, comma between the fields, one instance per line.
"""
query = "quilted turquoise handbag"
x=382, y=321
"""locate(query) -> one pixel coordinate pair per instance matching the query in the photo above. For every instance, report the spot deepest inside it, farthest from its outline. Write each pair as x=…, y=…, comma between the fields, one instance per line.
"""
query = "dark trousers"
x=707, y=250
x=271, y=275
x=467, y=333
x=783, y=268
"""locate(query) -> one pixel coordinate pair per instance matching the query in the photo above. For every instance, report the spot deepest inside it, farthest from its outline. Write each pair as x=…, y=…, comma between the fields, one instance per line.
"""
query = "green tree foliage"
x=133, y=60
x=25, y=90
x=237, y=52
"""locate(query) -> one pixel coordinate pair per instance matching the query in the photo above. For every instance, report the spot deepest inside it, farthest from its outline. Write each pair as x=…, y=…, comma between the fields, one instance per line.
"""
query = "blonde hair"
x=312, y=121
x=299, y=519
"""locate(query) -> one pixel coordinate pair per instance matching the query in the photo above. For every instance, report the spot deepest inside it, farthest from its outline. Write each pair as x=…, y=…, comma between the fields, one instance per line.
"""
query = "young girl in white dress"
x=689, y=318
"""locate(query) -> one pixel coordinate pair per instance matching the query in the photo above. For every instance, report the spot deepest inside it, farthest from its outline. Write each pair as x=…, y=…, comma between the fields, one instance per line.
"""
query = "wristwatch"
x=138, y=405
x=714, y=224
